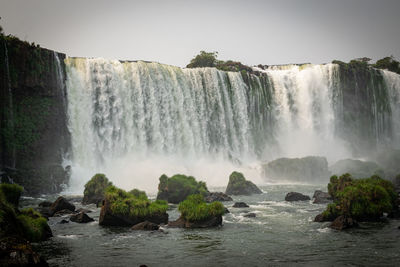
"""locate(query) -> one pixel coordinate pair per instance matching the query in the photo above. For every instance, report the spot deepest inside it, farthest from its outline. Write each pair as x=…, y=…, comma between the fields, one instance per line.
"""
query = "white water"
x=134, y=121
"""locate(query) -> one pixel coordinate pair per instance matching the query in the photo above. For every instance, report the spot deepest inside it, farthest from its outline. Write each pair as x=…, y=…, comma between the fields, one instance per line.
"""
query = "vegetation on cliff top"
x=127, y=204
x=361, y=199
x=195, y=209
x=388, y=63
x=176, y=188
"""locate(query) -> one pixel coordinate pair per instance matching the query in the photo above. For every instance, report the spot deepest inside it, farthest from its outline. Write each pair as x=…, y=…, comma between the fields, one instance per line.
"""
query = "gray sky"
x=172, y=32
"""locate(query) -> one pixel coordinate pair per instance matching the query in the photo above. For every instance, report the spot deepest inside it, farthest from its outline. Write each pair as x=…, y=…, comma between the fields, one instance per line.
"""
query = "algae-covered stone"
x=176, y=188
x=95, y=189
x=238, y=185
x=125, y=209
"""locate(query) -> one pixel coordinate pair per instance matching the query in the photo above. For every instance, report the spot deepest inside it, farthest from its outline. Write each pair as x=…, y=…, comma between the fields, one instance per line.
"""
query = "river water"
x=282, y=234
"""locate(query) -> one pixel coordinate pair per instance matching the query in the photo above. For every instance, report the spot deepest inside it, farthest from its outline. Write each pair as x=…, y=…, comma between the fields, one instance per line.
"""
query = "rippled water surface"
x=282, y=233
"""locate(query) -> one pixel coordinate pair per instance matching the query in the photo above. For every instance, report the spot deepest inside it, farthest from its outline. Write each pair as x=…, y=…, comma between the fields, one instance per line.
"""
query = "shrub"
x=34, y=226
x=361, y=199
x=195, y=209
x=388, y=63
x=11, y=193
x=138, y=193
x=204, y=59
x=127, y=204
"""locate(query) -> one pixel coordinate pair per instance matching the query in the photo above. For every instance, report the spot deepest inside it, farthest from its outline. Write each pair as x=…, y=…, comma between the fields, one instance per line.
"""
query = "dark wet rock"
x=63, y=221
x=182, y=223
x=321, y=197
x=18, y=252
x=83, y=210
x=81, y=217
x=250, y=215
x=394, y=214
x=240, y=205
x=295, y=196
x=45, y=204
x=61, y=204
x=342, y=222
x=398, y=227
x=146, y=226
x=226, y=210
x=238, y=185
x=45, y=211
x=320, y=218
x=217, y=196
x=61, y=213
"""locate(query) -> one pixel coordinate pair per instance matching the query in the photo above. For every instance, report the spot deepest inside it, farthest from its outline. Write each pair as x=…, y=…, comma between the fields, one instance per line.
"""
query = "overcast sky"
x=172, y=32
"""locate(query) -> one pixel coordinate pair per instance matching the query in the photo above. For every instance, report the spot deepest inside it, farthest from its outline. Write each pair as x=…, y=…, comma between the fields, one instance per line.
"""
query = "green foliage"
x=204, y=59
x=388, y=63
x=96, y=186
x=127, y=204
x=361, y=199
x=138, y=193
x=35, y=226
x=179, y=186
x=195, y=209
x=11, y=193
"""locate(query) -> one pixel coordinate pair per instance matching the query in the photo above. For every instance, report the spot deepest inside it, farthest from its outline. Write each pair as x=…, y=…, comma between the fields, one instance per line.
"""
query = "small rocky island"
x=238, y=185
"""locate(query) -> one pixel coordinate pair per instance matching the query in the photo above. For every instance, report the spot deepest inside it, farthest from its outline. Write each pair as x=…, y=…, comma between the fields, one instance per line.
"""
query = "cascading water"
x=60, y=78
x=136, y=120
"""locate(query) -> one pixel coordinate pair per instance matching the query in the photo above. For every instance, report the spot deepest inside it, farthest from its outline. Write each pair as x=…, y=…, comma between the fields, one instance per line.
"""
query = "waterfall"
x=137, y=120
x=10, y=109
x=392, y=81
x=60, y=79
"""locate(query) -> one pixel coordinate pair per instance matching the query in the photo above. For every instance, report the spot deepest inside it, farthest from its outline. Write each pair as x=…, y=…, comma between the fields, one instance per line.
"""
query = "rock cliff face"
x=33, y=124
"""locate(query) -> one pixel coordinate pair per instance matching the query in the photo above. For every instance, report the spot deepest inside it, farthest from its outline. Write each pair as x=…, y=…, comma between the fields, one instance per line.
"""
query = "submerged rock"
x=81, y=217
x=146, y=226
x=250, y=215
x=295, y=196
x=61, y=204
x=240, y=205
x=95, y=189
x=210, y=222
x=45, y=204
x=63, y=221
x=343, y=222
x=238, y=185
x=61, y=213
x=321, y=197
x=217, y=196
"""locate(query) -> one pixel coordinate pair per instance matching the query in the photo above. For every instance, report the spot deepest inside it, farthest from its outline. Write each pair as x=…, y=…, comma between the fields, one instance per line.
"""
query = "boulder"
x=178, y=187
x=45, y=204
x=81, y=217
x=250, y=215
x=357, y=168
x=95, y=189
x=146, y=226
x=238, y=185
x=226, y=210
x=62, y=213
x=314, y=169
x=240, y=205
x=121, y=208
x=295, y=196
x=15, y=251
x=217, y=196
x=343, y=222
x=321, y=197
x=210, y=222
x=63, y=221
x=61, y=204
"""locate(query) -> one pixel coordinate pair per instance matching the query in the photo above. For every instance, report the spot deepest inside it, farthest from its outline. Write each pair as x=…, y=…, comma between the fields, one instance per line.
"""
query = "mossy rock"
x=360, y=199
x=238, y=185
x=178, y=187
x=123, y=208
x=95, y=189
x=35, y=226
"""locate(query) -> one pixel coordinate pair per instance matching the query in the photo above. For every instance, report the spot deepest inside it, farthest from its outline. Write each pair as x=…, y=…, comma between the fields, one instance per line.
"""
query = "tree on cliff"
x=204, y=59
x=388, y=63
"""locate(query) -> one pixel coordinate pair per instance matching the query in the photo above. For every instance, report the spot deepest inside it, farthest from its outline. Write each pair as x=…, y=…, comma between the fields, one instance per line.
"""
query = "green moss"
x=35, y=226
x=178, y=187
x=195, y=209
x=361, y=199
x=127, y=204
x=11, y=193
x=138, y=193
x=95, y=188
